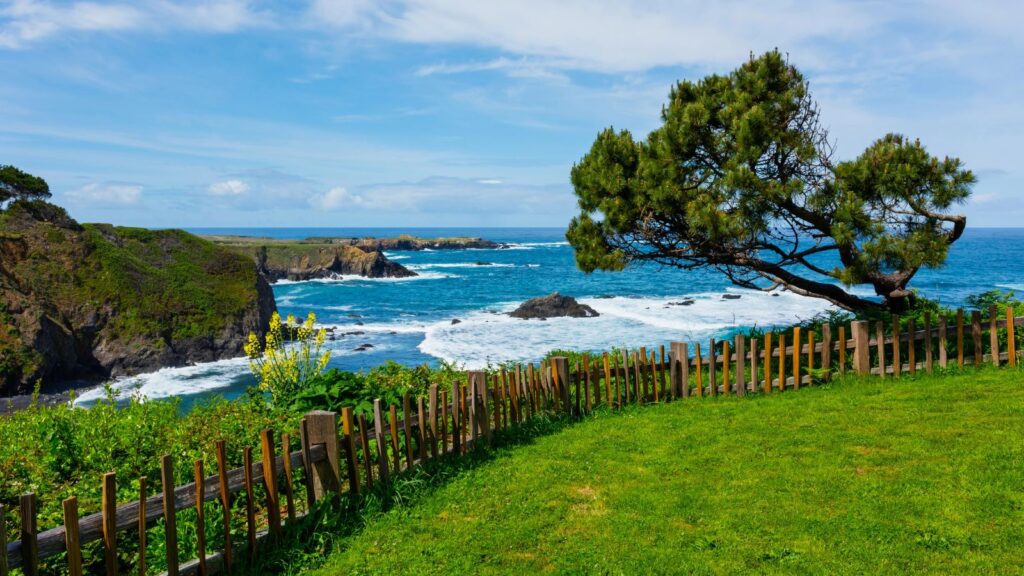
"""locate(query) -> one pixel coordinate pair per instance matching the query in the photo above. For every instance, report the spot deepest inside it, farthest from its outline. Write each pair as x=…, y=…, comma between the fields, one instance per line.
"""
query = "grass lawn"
x=922, y=475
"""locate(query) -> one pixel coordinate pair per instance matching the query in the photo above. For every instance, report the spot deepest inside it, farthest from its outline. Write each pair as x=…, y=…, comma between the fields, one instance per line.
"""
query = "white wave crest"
x=485, y=337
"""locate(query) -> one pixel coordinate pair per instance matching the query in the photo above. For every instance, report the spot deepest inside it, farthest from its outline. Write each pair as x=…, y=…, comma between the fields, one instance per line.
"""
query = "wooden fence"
x=352, y=457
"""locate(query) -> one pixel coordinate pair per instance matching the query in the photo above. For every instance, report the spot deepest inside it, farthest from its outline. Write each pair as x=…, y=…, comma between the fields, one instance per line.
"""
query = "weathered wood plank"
x=71, y=539
x=225, y=502
x=200, y=519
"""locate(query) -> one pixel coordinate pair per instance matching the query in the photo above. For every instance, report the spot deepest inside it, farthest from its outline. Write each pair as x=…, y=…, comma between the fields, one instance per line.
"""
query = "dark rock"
x=775, y=295
x=686, y=302
x=353, y=316
x=456, y=321
x=482, y=263
x=605, y=297
x=731, y=296
x=552, y=306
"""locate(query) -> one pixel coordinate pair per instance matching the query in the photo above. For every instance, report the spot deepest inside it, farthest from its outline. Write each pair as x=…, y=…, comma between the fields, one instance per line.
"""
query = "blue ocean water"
x=454, y=309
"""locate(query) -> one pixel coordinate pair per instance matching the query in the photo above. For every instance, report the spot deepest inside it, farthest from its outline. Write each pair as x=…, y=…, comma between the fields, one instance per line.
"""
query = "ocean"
x=454, y=310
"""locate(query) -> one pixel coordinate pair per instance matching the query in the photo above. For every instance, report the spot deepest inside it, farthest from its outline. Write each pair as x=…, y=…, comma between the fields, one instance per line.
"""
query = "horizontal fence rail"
x=349, y=454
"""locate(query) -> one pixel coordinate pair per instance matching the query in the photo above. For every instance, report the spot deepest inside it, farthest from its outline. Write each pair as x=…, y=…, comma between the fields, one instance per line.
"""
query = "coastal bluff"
x=329, y=257
x=94, y=301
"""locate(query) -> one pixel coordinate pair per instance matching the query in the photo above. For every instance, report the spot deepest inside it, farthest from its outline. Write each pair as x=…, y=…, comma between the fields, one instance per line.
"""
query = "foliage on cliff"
x=95, y=300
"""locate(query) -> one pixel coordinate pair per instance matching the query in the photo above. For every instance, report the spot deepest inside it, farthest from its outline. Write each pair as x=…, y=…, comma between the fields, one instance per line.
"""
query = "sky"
x=227, y=113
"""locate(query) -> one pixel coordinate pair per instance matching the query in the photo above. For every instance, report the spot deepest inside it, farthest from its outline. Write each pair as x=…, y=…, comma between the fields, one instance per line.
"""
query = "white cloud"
x=335, y=199
x=228, y=188
x=25, y=21
x=106, y=193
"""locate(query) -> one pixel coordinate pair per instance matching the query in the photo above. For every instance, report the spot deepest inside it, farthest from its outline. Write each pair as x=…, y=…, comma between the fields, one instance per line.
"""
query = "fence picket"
x=976, y=337
x=71, y=539
x=993, y=334
x=928, y=354
x=880, y=345
x=897, y=363
x=782, y=361
x=142, y=526
x=960, y=337
x=797, y=345
x=225, y=502
x=200, y=519
x=767, y=362
x=1011, y=338
x=170, y=514
x=29, y=535
x=250, y=499
x=348, y=428
x=911, y=356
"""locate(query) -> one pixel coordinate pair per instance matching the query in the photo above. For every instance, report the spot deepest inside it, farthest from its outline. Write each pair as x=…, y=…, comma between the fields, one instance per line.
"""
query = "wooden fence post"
x=767, y=362
x=225, y=502
x=322, y=428
x=943, y=353
x=880, y=346
x=976, y=337
x=3, y=538
x=170, y=518
x=349, y=428
x=382, y=445
x=753, y=365
x=960, y=337
x=826, y=350
x=29, y=536
x=1011, y=342
x=897, y=361
x=109, y=510
x=928, y=355
x=72, y=540
x=712, y=365
x=741, y=365
x=993, y=334
x=141, y=525
x=680, y=367
x=201, y=518
x=560, y=368
x=270, y=478
x=797, y=349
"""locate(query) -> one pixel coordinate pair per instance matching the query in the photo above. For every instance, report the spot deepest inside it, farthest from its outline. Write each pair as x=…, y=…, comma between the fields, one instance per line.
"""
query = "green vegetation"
x=130, y=291
x=58, y=452
x=863, y=476
x=741, y=179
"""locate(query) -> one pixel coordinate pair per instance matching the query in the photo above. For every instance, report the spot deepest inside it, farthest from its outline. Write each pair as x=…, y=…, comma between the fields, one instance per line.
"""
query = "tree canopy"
x=18, y=185
x=741, y=178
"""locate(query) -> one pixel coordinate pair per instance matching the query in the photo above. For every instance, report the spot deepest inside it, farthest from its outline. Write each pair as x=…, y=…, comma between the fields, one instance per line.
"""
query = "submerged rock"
x=552, y=306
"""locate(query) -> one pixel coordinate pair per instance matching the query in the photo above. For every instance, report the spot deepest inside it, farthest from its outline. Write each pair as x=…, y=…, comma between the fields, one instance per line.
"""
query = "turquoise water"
x=411, y=320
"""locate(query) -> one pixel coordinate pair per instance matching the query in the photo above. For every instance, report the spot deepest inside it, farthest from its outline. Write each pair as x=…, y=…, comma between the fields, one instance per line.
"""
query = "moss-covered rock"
x=308, y=259
x=94, y=300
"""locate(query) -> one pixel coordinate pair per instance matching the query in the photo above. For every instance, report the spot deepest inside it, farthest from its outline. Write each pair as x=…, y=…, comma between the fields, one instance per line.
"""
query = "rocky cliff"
x=95, y=301
x=312, y=258
x=408, y=242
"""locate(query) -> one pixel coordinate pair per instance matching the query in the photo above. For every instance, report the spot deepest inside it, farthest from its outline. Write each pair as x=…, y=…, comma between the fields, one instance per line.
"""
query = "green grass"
x=922, y=475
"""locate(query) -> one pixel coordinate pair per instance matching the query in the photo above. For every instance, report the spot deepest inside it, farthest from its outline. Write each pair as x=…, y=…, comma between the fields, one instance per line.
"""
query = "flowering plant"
x=291, y=355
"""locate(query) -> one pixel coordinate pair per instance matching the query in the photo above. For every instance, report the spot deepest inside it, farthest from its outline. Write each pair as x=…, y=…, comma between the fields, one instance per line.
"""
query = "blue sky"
x=458, y=112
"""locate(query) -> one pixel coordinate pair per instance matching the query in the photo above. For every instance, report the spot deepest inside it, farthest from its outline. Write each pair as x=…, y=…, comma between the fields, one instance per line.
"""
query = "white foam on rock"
x=483, y=337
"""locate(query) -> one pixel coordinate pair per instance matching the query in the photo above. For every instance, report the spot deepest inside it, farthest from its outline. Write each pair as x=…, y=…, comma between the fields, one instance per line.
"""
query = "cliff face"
x=307, y=259
x=408, y=242
x=97, y=301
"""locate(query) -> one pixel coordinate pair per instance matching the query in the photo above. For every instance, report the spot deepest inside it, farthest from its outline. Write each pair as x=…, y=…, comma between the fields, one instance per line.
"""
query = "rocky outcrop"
x=309, y=261
x=404, y=242
x=552, y=306
x=95, y=301
x=408, y=242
